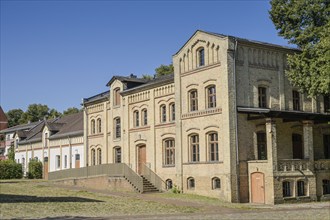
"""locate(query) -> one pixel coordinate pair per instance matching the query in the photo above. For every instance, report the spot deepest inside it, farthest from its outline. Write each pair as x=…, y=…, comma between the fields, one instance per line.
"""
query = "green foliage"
x=53, y=113
x=10, y=170
x=306, y=23
x=175, y=190
x=164, y=70
x=14, y=116
x=70, y=111
x=35, y=169
x=35, y=112
x=148, y=77
x=11, y=152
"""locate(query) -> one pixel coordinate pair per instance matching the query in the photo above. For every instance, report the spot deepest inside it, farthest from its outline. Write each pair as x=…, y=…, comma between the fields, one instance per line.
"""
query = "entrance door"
x=297, y=146
x=77, y=161
x=141, y=158
x=46, y=168
x=257, y=188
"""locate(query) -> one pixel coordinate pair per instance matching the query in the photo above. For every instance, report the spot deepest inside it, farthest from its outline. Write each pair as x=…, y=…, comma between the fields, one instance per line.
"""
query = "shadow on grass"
x=9, y=198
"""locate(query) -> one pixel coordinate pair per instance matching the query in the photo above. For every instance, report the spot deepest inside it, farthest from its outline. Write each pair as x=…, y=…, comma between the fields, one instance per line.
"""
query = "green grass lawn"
x=36, y=199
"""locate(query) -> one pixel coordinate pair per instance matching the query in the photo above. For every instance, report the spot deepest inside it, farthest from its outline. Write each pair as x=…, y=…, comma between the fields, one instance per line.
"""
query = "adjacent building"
x=226, y=124
x=3, y=125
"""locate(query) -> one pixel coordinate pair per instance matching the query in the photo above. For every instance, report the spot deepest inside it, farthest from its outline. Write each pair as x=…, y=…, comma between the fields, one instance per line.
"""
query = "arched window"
x=117, y=154
x=93, y=126
x=93, y=157
x=99, y=156
x=169, y=184
x=262, y=97
x=201, y=56
x=163, y=113
x=287, y=190
x=172, y=112
x=301, y=189
x=216, y=183
x=144, y=116
x=116, y=96
x=190, y=183
x=211, y=97
x=213, y=146
x=326, y=187
x=193, y=100
x=99, y=125
x=261, y=145
x=136, y=118
x=169, y=152
x=194, y=148
x=117, y=128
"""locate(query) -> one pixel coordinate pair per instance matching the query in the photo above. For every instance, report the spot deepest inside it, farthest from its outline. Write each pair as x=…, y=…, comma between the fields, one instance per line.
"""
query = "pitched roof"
x=69, y=125
x=98, y=97
x=21, y=127
x=131, y=78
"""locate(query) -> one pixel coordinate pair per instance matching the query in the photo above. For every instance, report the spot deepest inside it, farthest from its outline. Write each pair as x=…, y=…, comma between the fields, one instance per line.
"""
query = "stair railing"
x=133, y=178
x=153, y=178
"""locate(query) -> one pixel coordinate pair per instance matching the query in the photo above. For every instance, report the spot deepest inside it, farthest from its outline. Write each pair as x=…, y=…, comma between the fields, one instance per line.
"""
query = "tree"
x=11, y=152
x=70, y=111
x=35, y=112
x=14, y=116
x=164, y=70
x=306, y=23
x=53, y=113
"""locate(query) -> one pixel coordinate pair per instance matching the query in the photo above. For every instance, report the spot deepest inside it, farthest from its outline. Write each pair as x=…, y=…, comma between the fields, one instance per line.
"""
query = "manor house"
x=226, y=124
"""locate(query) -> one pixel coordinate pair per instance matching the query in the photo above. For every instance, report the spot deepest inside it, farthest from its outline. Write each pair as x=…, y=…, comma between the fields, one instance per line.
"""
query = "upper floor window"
x=326, y=101
x=193, y=99
x=144, y=116
x=194, y=148
x=117, y=128
x=163, y=113
x=46, y=139
x=201, y=57
x=116, y=96
x=169, y=152
x=213, y=146
x=326, y=144
x=172, y=112
x=117, y=154
x=262, y=97
x=262, y=146
x=93, y=126
x=136, y=118
x=211, y=97
x=296, y=100
x=99, y=125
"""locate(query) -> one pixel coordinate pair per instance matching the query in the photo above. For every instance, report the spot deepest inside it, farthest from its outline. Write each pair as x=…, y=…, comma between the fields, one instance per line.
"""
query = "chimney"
x=133, y=76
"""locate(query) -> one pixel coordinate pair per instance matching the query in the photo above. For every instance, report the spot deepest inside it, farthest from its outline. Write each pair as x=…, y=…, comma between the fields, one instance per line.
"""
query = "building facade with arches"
x=226, y=124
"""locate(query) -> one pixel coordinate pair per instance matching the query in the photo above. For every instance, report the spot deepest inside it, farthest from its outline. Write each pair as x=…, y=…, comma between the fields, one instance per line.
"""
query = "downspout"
x=236, y=122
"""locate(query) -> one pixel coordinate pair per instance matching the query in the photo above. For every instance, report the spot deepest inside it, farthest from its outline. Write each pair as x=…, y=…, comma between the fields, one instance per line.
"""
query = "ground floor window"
x=190, y=183
x=326, y=187
x=117, y=154
x=58, y=161
x=216, y=184
x=169, y=184
x=286, y=189
x=301, y=188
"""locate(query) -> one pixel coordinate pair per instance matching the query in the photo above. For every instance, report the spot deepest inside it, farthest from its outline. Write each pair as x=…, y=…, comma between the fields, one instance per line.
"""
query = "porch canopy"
x=287, y=116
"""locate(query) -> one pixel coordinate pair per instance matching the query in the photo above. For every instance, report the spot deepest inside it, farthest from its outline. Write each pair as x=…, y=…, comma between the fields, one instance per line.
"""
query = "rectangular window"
x=301, y=188
x=169, y=153
x=136, y=119
x=117, y=155
x=286, y=189
x=193, y=97
x=77, y=157
x=163, y=113
x=116, y=97
x=58, y=161
x=194, y=148
x=213, y=146
x=145, y=116
x=262, y=146
x=172, y=110
x=326, y=143
x=296, y=100
x=262, y=97
x=117, y=128
x=65, y=161
x=326, y=187
x=211, y=97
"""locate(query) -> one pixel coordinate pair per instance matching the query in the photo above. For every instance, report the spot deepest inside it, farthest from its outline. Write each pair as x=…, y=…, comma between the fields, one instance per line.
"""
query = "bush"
x=10, y=170
x=35, y=170
x=175, y=190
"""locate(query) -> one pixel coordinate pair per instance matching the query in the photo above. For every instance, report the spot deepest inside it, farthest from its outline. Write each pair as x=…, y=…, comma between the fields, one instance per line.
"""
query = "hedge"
x=10, y=170
x=35, y=170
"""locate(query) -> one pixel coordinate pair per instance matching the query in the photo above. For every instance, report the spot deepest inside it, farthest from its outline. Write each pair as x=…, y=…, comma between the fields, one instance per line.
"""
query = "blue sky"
x=58, y=52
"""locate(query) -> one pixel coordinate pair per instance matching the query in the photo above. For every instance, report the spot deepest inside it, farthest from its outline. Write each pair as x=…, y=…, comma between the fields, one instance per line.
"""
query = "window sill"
x=116, y=139
x=169, y=166
x=203, y=163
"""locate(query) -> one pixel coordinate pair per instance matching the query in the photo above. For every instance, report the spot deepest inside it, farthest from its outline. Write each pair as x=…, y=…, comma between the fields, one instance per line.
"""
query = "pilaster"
x=308, y=141
x=271, y=142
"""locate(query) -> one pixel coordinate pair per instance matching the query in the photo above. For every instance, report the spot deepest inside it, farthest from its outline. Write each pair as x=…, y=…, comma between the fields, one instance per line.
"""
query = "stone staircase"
x=148, y=186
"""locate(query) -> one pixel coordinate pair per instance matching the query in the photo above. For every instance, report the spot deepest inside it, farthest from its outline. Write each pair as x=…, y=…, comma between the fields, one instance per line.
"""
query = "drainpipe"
x=236, y=122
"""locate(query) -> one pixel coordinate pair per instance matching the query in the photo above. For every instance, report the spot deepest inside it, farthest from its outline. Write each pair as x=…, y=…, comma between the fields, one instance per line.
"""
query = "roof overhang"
x=287, y=116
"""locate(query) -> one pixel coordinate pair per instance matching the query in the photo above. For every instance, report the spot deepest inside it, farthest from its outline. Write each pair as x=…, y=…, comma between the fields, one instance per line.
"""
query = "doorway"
x=257, y=188
x=141, y=158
